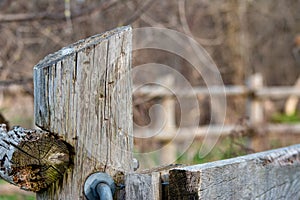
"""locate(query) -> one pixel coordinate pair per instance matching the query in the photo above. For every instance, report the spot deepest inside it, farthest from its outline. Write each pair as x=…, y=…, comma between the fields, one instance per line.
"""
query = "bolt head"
x=93, y=180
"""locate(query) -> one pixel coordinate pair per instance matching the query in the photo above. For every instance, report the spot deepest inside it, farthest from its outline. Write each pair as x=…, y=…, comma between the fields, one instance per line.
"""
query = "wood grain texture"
x=143, y=186
x=32, y=159
x=272, y=174
x=149, y=184
x=83, y=93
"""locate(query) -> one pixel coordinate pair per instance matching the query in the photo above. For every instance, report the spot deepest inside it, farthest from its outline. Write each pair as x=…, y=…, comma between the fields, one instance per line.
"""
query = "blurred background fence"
x=164, y=126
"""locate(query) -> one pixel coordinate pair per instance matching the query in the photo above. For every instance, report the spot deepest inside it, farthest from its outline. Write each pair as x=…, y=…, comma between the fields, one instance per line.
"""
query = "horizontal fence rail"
x=217, y=130
x=270, y=174
x=274, y=92
x=267, y=175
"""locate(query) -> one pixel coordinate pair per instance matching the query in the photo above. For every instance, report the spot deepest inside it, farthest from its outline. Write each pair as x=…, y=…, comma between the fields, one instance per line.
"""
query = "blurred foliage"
x=283, y=118
x=227, y=147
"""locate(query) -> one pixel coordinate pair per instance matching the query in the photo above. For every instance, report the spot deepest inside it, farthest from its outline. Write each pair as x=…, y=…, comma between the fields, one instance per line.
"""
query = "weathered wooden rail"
x=83, y=103
x=272, y=174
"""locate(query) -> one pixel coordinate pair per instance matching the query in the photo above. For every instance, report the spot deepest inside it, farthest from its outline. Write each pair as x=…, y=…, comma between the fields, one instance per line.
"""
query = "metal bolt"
x=99, y=186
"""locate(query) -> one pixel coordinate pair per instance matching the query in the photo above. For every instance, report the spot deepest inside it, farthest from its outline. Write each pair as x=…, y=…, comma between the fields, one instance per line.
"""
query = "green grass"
x=283, y=118
x=16, y=197
x=227, y=147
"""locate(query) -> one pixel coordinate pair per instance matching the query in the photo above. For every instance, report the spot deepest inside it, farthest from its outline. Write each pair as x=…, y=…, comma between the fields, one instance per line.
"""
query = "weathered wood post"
x=83, y=94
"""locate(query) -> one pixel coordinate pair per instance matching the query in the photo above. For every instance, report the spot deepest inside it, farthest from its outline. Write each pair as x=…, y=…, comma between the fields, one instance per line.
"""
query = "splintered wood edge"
x=78, y=46
x=279, y=156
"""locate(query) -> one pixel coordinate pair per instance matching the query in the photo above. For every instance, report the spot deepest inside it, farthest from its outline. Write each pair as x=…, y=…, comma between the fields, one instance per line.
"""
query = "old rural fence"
x=83, y=103
x=254, y=93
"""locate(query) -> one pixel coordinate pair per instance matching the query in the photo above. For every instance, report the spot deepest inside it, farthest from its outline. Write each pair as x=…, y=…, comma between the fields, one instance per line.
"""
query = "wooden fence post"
x=255, y=109
x=83, y=93
x=290, y=107
x=254, y=105
x=168, y=155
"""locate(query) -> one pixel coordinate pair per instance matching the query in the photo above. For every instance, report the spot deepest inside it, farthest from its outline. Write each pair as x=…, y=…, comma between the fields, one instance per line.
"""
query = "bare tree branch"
x=139, y=12
x=187, y=30
x=7, y=18
x=5, y=83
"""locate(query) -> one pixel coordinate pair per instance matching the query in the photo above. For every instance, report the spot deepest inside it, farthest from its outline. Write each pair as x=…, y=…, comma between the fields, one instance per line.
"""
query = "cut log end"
x=32, y=159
